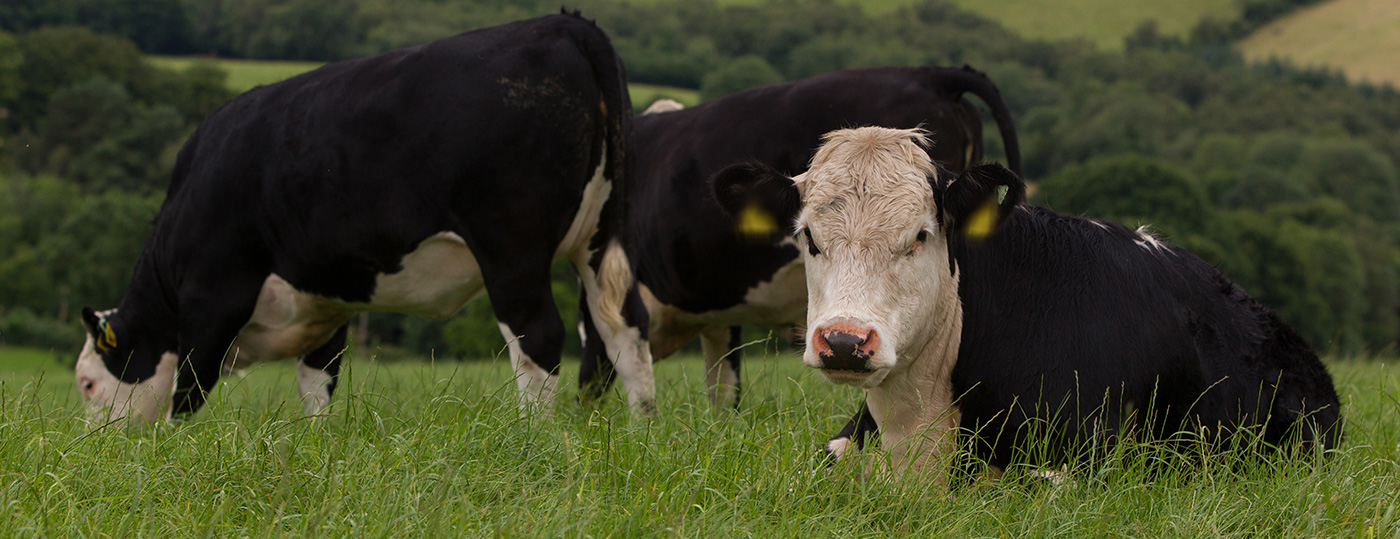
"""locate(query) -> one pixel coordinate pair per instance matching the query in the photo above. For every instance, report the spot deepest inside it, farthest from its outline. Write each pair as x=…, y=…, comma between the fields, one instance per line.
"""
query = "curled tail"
x=615, y=273
x=968, y=80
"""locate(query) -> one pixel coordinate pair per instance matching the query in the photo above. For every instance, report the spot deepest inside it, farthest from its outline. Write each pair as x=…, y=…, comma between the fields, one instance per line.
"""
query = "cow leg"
x=722, y=354
x=620, y=317
x=596, y=373
x=534, y=333
x=210, y=319
x=861, y=426
x=318, y=372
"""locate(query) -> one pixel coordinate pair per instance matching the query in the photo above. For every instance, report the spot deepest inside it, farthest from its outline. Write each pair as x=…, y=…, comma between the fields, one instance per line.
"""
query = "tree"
x=1131, y=189
x=740, y=74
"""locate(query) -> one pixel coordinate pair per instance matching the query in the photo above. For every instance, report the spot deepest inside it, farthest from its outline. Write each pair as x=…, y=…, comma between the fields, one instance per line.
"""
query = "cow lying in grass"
x=953, y=304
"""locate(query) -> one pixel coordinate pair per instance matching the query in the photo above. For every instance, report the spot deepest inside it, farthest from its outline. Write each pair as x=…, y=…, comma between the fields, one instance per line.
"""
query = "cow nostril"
x=842, y=343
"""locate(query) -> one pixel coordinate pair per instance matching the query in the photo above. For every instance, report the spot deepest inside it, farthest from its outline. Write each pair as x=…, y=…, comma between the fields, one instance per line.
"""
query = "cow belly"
x=437, y=279
x=779, y=303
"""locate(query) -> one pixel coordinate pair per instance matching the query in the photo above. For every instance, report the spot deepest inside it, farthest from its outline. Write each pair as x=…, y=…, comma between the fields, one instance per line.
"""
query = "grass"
x=1102, y=22
x=1357, y=36
x=423, y=449
x=243, y=75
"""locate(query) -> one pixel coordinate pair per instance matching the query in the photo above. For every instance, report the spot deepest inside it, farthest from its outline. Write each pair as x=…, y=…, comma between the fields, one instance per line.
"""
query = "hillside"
x=1360, y=37
x=1103, y=22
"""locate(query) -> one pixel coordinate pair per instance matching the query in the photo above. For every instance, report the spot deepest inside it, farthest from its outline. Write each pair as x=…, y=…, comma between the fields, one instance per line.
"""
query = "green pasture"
x=243, y=75
x=440, y=450
x=1359, y=37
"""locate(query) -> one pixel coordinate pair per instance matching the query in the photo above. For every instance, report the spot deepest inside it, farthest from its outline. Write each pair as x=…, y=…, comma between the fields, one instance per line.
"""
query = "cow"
x=961, y=309
x=408, y=182
x=702, y=279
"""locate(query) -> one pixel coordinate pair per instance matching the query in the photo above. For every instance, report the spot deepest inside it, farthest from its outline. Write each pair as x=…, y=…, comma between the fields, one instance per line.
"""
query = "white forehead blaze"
x=107, y=398
x=868, y=187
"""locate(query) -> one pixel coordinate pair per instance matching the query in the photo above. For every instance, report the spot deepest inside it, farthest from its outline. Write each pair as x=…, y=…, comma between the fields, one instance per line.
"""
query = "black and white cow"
x=700, y=277
x=406, y=182
x=956, y=305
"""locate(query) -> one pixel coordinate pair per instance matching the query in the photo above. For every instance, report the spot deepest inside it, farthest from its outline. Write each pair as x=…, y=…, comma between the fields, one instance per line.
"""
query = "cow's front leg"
x=210, y=318
x=620, y=318
x=319, y=371
x=720, y=346
x=595, y=372
x=860, y=428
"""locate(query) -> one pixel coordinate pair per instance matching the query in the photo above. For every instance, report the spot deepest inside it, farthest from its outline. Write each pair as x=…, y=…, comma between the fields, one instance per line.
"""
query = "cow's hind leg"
x=318, y=373
x=596, y=373
x=529, y=320
x=722, y=355
x=620, y=317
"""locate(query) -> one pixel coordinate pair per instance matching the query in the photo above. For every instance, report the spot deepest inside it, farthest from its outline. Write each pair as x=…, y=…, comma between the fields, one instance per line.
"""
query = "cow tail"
x=975, y=82
x=615, y=272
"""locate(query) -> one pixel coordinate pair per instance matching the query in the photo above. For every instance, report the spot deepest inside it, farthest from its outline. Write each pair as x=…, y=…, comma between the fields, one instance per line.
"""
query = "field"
x=420, y=449
x=1102, y=22
x=1359, y=37
x=243, y=75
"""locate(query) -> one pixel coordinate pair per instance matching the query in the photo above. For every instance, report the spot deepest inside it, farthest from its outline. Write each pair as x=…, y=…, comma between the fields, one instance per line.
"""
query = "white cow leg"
x=537, y=386
x=721, y=365
x=314, y=386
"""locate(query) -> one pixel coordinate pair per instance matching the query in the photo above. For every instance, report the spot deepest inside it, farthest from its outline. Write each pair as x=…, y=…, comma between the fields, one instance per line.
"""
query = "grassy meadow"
x=439, y=449
x=1359, y=37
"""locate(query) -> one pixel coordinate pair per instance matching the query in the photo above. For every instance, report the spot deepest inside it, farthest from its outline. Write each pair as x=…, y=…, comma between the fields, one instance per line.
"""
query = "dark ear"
x=976, y=202
x=762, y=201
x=91, y=321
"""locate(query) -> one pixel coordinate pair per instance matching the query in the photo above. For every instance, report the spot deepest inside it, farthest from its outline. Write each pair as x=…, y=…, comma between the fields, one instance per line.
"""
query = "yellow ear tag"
x=109, y=338
x=982, y=221
x=755, y=223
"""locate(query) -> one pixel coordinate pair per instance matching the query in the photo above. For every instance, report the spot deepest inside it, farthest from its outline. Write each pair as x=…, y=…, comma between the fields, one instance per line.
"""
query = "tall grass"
x=441, y=449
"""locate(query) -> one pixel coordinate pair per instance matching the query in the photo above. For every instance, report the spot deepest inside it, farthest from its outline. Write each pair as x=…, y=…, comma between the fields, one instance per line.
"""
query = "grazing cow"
x=406, y=182
x=955, y=305
x=700, y=277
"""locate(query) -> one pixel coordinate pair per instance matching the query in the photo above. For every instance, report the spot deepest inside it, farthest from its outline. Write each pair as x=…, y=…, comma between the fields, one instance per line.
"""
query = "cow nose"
x=845, y=347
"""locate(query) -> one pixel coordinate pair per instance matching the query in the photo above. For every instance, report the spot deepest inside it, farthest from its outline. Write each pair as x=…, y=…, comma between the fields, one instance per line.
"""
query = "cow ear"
x=975, y=203
x=100, y=328
x=761, y=200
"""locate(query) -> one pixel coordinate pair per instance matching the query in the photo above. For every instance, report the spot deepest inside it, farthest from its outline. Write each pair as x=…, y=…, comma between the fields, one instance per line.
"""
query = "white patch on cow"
x=537, y=386
x=1099, y=224
x=865, y=199
x=437, y=279
x=720, y=377
x=778, y=303
x=1148, y=241
x=1054, y=477
x=836, y=447
x=585, y=223
x=315, y=388
x=107, y=398
x=663, y=105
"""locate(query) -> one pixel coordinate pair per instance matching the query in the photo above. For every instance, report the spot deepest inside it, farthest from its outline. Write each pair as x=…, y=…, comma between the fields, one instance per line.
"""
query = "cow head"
x=874, y=218
x=120, y=374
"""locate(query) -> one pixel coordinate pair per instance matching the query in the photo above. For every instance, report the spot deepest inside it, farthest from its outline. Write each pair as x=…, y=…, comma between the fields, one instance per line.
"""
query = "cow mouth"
x=849, y=372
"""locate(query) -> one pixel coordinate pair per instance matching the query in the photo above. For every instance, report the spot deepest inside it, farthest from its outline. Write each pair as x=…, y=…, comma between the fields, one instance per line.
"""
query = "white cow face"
x=874, y=235
x=106, y=396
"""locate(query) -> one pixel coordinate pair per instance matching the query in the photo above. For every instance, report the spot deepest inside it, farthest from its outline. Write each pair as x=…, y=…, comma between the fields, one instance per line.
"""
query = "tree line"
x=1283, y=177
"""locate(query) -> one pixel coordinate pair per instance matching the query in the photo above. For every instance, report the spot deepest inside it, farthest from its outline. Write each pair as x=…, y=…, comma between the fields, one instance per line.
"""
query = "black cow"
x=700, y=277
x=406, y=182
x=955, y=324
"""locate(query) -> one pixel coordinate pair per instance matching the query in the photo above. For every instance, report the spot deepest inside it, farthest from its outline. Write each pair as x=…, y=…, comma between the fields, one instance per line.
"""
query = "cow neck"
x=914, y=408
x=149, y=302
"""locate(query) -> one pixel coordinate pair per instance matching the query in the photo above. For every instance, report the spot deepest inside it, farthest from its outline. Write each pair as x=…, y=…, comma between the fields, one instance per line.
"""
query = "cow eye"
x=811, y=245
x=918, y=240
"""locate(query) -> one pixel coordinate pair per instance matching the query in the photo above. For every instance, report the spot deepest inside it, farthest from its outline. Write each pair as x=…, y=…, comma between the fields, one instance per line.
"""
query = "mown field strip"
x=1359, y=37
x=440, y=449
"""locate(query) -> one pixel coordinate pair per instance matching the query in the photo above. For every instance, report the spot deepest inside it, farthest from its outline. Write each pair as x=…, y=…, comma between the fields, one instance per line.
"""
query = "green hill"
x=1103, y=22
x=1360, y=37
